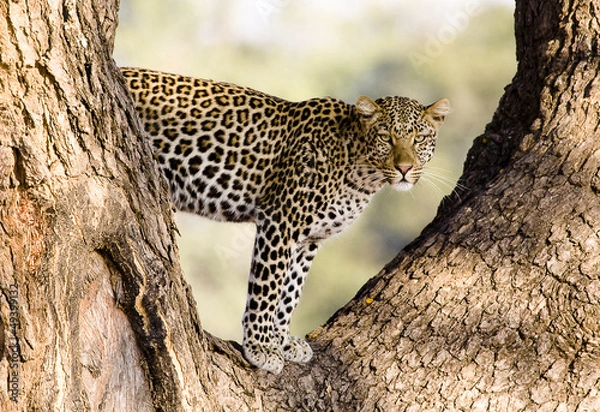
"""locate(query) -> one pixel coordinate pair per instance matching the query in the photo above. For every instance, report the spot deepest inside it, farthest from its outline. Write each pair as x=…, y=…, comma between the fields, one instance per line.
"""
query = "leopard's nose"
x=404, y=169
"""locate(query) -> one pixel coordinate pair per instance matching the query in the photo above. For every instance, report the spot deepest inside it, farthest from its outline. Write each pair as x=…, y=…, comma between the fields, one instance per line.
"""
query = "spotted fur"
x=301, y=171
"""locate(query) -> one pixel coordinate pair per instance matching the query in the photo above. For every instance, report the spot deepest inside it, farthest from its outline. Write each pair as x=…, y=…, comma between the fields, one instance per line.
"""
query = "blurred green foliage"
x=462, y=50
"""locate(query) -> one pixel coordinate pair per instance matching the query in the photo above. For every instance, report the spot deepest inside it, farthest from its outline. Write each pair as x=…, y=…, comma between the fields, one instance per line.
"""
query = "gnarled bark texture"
x=89, y=276
x=495, y=307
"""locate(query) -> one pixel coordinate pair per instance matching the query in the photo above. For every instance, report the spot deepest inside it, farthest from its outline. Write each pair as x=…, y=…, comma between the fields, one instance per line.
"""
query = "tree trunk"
x=95, y=310
x=495, y=307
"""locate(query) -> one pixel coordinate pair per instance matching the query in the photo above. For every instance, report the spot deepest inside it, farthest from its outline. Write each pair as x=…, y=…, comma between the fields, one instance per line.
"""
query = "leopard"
x=302, y=172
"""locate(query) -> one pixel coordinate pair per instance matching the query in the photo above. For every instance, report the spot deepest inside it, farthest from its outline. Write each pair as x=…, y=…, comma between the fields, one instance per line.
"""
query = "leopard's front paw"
x=296, y=350
x=264, y=357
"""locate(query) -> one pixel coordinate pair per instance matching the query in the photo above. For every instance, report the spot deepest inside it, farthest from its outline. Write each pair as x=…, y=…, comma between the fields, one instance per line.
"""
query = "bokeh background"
x=298, y=49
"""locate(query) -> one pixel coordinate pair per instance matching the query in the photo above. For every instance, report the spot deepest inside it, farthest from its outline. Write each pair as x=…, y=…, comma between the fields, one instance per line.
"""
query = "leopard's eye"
x=420, y=138
x=385, y=136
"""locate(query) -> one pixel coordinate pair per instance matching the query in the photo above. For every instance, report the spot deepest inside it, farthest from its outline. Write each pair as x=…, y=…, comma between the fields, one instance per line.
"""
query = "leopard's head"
x=401, y=135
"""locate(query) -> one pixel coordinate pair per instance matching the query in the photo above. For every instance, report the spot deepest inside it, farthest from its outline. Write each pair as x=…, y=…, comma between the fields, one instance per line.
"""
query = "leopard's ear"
x=437, y=111
x=368, y=110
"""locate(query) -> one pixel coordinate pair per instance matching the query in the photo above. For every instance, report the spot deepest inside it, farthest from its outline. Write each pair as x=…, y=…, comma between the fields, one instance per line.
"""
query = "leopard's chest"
x=333, y=217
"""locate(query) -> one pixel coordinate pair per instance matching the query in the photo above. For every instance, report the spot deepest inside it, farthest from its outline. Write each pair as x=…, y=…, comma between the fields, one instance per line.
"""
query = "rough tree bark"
x=95, y=311
x=495, y=307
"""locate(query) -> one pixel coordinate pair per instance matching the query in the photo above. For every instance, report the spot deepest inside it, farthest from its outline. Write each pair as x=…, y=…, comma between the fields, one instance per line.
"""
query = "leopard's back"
x=213, y=141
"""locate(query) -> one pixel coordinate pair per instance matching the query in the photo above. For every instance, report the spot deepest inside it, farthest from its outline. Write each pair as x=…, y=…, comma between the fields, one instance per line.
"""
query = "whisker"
x=438, y=175
x=370, y=178
x=442, y=178
x=439, y=169
x=435, y=188
x=449, y=183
